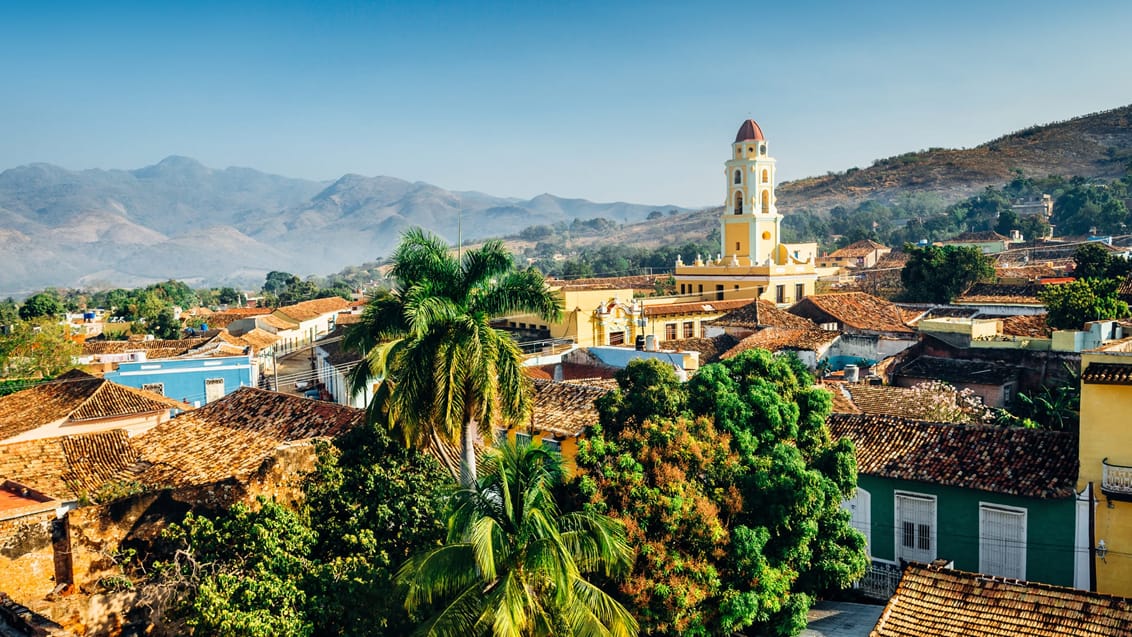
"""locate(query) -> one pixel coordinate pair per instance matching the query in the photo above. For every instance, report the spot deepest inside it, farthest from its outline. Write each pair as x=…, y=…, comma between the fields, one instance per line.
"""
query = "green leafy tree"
x=9, y=312
x=164, y=325
x=41, y=347
x=1087, y=208
x=514, y=563
x=373, y=503
x=938, y=274
x=1070, y=305
x=276, y=281
x=446, y=373
x=1091, y=261
x=230, y=296
x=731, y=487
x=254, y=563
x=40, y=305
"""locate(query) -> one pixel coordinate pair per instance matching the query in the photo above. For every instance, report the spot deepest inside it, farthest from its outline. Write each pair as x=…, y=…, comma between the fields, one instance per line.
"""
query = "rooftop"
x=931, y=600
x=777, y=339
x=232, y=437
x=156, y=348
x=749, y=131
x=861, y=248
x=1001, y=294
x=958, y=372
x=695, y=307
x=76, y=396
x=310, y=310
x=642, y=281
x=1107, y=374
x=986, y=235
x=761, y=313
x=68, y=466
x=1032, y=325
x=709, y=349
x=1011, y=460
x=889, y=400
x=856, y=310
x=565, y=409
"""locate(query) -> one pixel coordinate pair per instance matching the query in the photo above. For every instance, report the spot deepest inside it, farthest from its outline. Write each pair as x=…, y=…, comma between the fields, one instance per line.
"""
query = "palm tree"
x=447, y=375
x=513, y=564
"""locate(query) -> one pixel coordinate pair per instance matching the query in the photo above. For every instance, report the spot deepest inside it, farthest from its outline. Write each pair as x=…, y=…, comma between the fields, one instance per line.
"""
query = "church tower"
x=750, y=223
x=752, y=261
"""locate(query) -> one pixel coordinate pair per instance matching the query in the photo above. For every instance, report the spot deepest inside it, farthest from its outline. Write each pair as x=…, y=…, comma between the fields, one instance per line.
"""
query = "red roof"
x=749, y=131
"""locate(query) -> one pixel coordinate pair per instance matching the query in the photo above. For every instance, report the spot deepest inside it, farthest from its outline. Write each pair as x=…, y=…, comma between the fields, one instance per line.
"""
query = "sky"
x=608, y=101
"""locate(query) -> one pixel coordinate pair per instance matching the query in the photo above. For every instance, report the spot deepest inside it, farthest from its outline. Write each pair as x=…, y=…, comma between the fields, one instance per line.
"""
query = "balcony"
x=1116, y=481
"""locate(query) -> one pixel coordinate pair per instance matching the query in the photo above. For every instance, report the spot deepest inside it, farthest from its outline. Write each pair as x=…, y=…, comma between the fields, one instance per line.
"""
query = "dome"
x=749, y=131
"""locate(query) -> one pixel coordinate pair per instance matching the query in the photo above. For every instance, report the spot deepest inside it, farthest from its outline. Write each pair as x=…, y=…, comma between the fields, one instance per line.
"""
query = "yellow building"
x=752, y=261
x=1106, y=461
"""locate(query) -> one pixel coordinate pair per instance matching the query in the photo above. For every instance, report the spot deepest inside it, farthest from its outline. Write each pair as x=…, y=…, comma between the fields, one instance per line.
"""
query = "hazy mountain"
x=181, y=219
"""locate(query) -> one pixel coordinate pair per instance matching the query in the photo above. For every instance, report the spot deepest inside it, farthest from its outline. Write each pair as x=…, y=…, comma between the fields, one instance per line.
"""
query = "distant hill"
x=181, y=219
x=1097, y=145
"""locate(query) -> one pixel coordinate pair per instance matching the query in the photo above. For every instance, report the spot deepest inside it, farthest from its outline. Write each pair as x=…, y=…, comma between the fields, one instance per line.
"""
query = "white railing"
x=1116, y=478
x=880, y=580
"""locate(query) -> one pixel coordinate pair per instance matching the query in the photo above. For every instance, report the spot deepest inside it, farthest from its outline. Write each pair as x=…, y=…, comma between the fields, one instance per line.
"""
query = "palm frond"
x=523, y=292
x=598, y=614
x=437, y=574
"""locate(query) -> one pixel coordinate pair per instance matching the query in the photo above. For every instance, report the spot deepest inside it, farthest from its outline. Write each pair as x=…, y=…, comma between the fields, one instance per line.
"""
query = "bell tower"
x=750, y=224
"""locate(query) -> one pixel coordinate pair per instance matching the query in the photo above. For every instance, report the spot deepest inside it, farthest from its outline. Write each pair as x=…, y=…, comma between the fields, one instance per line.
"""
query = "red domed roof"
x=749, y=131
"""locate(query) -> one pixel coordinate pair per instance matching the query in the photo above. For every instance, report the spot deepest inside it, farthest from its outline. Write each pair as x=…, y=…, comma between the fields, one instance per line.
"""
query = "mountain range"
x=180, y=219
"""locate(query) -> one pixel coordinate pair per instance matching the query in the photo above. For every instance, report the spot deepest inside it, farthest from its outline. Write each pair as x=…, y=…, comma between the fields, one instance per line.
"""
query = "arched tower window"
x=766, y=201
x=762, y=149
x=766, y=176
x=738, y=176
x=739, y=202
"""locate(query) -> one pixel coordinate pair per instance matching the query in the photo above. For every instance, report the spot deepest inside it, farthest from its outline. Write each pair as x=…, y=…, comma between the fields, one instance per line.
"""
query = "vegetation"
x=1071, y=305
x=37, y=348
x=938, y=274
x=731, y=487
x=44, y=304
x=514, y=564
x=446, y=373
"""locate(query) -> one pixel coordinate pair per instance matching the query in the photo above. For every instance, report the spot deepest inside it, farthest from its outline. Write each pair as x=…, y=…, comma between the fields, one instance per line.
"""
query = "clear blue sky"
x=602, y=100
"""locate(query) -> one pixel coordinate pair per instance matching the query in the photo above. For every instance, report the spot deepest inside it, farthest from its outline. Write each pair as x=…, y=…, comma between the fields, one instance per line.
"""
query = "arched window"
x=738, y=203
x=762, y=149
x=738, y=176
x=766, y=201
x=766, y=176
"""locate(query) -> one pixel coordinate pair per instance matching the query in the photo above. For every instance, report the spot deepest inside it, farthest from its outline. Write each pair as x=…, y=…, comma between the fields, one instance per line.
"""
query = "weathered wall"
x=27, y=562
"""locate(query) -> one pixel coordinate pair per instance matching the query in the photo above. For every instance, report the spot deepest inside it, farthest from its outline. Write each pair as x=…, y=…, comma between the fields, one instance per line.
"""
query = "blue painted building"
x=196, y=381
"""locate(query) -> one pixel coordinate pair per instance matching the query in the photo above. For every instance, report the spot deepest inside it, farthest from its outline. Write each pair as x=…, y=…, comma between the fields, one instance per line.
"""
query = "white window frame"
x=898, y=527
x=550, y=444
x=984, y=566
x=213, y=382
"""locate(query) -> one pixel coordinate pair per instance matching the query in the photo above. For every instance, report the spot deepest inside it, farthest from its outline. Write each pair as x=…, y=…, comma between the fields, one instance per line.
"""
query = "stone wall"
x=27, y=561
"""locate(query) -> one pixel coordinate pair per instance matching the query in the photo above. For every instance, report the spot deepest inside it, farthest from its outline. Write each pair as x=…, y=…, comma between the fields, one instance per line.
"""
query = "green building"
x=993, y=500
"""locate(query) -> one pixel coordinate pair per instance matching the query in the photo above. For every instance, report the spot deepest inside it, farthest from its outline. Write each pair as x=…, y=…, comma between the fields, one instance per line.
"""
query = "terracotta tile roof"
x=697, y=307
x=278, y=322
x=1028, y=272
x=859, y=249
x=1033, y=325
x=1107, y=374
x=942, y=602
x=957, y=371
x=256, y=339
x=761, y=313
x=76, y=396
x=749, y=131
x=348, y=319
x=227, y=317
x=232, y=437
x=842, y=404
x=68, y=466
x=888, y=400
x=1011, y=460
x=709, y=349
x=777, y=339
x=565, y=409
x=1000, y=293
x=856, y=310
x=309, y=310
x=153, y=349
x=578, y=371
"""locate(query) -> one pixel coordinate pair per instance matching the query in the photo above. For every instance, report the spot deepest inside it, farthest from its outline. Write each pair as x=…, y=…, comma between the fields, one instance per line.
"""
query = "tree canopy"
x=1070, y=305
x=42, y=304
x=446, y=373
x=938, y=274
x=731, y=488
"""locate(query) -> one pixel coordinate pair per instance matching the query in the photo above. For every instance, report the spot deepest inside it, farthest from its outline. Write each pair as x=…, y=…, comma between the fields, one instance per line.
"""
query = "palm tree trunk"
x=468, y=454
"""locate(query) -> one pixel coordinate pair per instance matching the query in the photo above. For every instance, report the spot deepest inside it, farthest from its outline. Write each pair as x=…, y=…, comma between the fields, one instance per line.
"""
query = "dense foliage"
x=327, y=569
x=1071, y=305
x=445, y=372
x=514, y=564
x=731, y=487
x=938, y=274
x=36, y=348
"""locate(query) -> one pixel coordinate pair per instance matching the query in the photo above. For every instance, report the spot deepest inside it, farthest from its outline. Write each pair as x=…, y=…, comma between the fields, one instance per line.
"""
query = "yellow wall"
x=569, y=445
x=1106, y=433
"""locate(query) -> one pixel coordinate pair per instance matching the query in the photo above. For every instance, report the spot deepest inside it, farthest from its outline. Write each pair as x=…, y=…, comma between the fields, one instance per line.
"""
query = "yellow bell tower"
x=749, y=226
